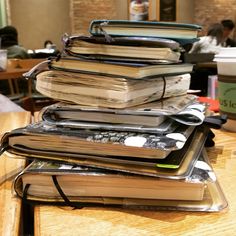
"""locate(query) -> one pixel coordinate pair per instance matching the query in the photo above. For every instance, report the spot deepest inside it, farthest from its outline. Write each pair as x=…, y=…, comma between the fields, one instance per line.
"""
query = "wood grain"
x=51, y=220
x=10, y=205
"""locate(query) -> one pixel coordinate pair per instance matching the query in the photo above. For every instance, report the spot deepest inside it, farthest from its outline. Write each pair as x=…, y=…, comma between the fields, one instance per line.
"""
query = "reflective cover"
x=184, y=109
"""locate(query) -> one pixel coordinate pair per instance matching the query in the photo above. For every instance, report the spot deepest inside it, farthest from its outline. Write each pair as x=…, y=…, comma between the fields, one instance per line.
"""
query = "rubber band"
x=25, y=192
x=164, y=87
x=62, y=194
x=108, y=38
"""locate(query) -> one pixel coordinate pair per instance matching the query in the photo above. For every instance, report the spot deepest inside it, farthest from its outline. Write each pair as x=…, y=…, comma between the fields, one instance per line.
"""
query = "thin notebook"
x=184, y=109
x=45, y=137
x=122, y=69
x=177, y=165
x=171, y=30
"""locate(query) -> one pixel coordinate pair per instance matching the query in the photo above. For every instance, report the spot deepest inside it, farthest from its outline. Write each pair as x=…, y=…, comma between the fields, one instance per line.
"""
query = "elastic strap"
x=65, y=40
x=62, y=194
x=25, y=192
x=164, y=87
x=3, y=148
x=108, y=38
x=215, y=122
x=58, y=57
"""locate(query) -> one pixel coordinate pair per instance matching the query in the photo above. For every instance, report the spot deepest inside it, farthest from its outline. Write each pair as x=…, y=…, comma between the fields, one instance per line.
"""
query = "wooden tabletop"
x=10, y=205
x=210, y=64
x=51, y=220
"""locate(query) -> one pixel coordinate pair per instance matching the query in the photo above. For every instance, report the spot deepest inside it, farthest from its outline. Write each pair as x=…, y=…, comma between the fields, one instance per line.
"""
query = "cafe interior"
x=20, y=103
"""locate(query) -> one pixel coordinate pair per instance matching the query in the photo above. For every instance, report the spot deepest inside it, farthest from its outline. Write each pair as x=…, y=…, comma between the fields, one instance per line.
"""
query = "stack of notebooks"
x=125, y=132
x=119, y=71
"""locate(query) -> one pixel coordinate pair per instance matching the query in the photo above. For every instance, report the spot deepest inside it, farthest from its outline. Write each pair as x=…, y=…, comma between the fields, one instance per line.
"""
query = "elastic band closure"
x=42, y=66
x=108, y=38
x=3, y=148
x=25, y=192
x=62, y=194
x=215, y=122
x=164, y=87
x=58, y=57
x=65, y=40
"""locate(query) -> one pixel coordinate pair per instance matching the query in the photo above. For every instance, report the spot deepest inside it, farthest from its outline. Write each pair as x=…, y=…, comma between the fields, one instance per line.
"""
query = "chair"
x=203, y=67
x=27, y=97
x=15, y=69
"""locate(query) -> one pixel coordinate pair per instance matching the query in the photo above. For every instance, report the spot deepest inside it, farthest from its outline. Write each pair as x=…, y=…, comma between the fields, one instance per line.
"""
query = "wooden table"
x=210, y=64
x=51, y=220
x=11, y=75
x=15, y=69
x=10, y=205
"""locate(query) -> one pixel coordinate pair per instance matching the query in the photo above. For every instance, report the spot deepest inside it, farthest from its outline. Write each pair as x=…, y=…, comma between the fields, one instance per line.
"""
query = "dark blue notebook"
x=172, y=30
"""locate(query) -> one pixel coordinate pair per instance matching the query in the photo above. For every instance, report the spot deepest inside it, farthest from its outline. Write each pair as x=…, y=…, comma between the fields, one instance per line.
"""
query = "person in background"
x=9, y=41
x=209, y=44
x=228, y=26
x=48, y=44
x=212, y=42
